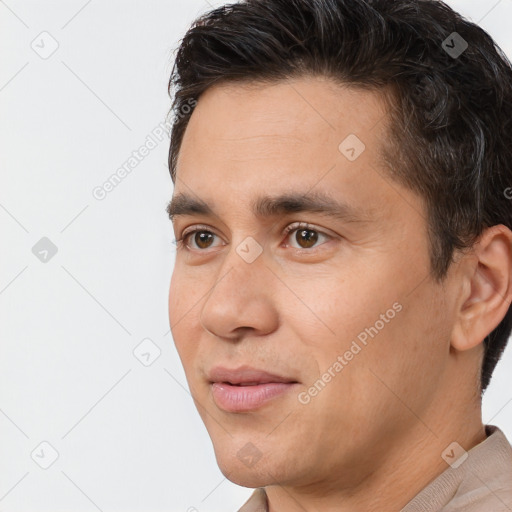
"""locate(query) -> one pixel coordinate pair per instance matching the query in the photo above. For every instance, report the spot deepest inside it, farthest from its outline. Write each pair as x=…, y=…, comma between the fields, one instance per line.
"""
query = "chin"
x=246, y=477
x=245, y=466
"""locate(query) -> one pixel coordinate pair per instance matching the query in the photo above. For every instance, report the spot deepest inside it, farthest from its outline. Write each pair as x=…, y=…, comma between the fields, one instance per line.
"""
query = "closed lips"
x=245, y=376
x=246, y=389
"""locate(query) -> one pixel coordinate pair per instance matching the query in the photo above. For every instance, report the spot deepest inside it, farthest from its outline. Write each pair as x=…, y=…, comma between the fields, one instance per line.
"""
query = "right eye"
x=197, y=239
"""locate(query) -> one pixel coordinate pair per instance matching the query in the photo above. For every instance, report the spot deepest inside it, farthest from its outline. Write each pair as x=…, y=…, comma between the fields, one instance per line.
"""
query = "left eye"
x=305, y=236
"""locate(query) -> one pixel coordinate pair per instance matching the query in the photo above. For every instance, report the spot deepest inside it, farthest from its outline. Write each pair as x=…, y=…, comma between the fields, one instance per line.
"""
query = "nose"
x=241, y=299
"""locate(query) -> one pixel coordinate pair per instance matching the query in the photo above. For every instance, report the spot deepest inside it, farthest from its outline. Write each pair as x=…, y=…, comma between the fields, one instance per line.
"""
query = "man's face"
x=342, y=312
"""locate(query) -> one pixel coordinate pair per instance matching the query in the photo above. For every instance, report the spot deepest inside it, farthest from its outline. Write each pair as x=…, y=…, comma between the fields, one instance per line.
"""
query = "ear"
x=487, y=288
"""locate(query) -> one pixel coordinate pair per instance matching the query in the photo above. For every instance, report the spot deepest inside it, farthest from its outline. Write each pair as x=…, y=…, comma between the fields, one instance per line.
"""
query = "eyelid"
x=303, y=225
x=194, y=228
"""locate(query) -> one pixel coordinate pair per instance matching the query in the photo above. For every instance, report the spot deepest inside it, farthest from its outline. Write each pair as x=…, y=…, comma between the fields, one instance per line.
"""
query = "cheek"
x=181, y=311
x=341, y=308
x=370, y=325
x=387, y=364
x=185, y=291
x=175, y=292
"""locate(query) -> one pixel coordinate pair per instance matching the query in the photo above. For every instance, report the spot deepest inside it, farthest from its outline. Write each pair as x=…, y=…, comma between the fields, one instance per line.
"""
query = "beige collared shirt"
x=482, y=483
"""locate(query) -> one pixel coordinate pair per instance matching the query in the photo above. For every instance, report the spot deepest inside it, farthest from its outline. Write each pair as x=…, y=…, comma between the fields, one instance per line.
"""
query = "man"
x=343, y=277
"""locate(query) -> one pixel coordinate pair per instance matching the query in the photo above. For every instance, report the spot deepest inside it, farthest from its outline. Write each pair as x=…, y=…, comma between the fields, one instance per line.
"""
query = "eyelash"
x=181, y=242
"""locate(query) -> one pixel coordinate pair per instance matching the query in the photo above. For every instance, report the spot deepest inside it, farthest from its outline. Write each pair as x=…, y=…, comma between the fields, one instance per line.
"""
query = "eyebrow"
x=275, y=206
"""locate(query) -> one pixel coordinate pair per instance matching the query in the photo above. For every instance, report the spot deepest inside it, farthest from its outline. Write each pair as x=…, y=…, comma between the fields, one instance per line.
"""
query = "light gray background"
x=128, y=436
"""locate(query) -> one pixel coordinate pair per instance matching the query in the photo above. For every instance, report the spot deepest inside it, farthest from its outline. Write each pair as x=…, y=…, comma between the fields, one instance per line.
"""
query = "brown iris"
x=307, y=236
x=203, y=239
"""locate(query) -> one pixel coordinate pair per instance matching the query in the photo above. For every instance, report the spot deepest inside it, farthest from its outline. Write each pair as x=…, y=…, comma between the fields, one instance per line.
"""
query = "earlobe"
x=487, y=293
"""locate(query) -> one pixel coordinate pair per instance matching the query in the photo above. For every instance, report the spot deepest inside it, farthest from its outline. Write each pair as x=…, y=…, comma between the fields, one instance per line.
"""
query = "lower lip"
x=232, y=398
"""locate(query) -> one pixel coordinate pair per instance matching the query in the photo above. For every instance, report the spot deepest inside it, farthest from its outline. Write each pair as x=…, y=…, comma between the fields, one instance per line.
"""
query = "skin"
x=374, y=435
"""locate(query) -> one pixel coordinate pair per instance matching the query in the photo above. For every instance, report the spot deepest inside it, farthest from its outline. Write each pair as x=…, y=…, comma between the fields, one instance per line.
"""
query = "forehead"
x=253, y=139
x=247, y=121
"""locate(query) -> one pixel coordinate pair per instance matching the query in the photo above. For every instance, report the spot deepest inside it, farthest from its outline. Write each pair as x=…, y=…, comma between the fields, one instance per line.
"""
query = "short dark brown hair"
x=452, y=93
